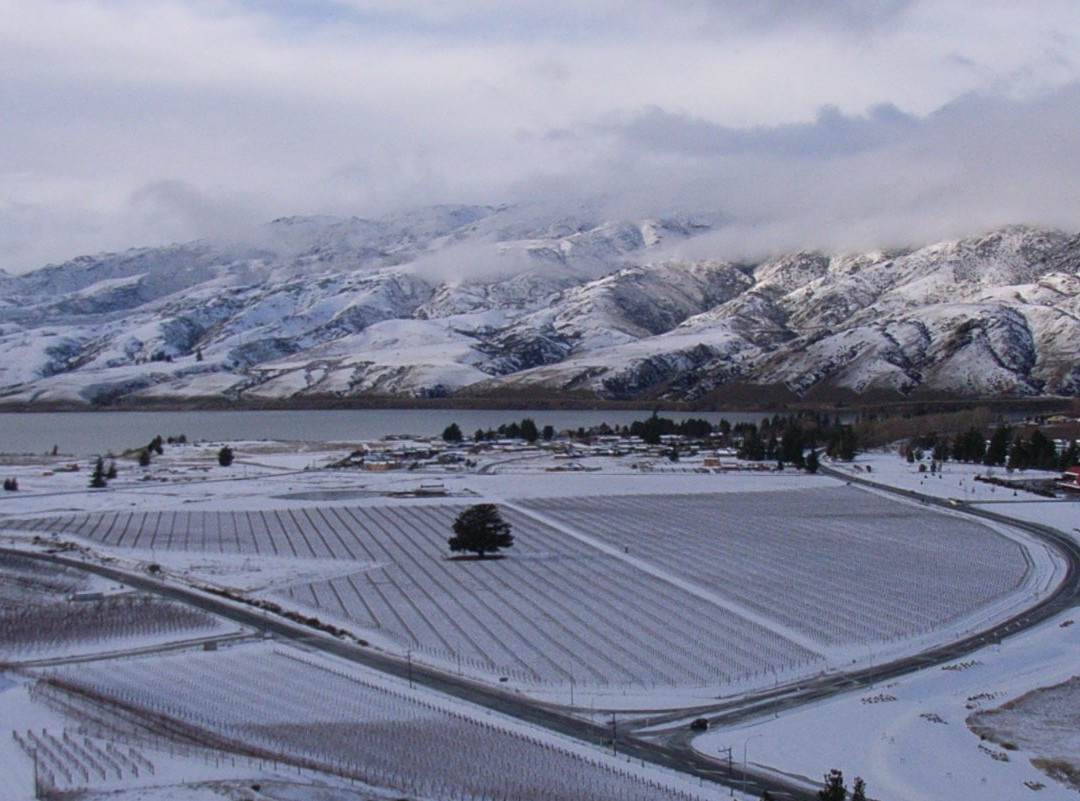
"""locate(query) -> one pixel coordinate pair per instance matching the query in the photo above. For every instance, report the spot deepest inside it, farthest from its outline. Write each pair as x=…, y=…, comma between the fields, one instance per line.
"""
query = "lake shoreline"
x=768, y=403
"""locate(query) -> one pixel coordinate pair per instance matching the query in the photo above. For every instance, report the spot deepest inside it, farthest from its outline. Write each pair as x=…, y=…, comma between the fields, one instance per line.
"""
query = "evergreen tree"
x=792, y=442
x=858, y=790
x=478, y=435
x=144, y=457
x=452, y=433
x=941, y=450
x=1043, y=452
x=529, y=432
x=696, y=428
x=752, y=447
x=480, y=528
x=652, y=429
x=548, y=433
x=834, y=789
x=772, y=447
x=111, y=472
x=812, y=462
x=97, y=478
x=969, y=446
x=1019, y=458
x=842, y=444
x=225, y=456
x=998, y=449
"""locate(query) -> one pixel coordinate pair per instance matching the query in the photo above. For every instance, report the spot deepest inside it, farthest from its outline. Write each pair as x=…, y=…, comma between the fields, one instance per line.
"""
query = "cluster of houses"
x=412, y=453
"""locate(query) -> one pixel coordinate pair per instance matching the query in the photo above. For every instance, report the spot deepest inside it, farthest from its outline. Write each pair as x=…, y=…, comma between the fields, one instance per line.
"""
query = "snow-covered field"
x=692, y=594
x=908, y=570
x=279, y=704
x=626, y=587
x=908, y=738
x=50, y=611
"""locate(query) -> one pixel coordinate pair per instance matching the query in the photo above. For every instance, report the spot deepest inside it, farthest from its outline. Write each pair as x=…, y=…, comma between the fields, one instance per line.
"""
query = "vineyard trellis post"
x=37, y=783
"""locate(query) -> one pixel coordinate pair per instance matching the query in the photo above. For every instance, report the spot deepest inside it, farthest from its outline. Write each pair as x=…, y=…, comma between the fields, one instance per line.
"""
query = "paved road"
x=670, y=748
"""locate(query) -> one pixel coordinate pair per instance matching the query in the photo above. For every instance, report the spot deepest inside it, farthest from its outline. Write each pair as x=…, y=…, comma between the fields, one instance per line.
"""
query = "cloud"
x=831, y=133
x=136, y=122
x=176, y=211
x=844, y=183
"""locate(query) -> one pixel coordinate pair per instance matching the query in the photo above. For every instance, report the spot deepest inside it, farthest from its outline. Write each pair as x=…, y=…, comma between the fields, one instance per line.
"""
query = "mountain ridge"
x=485, y=301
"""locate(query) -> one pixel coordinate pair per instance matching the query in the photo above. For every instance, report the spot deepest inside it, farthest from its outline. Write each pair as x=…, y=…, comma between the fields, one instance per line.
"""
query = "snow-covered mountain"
x=501, y=302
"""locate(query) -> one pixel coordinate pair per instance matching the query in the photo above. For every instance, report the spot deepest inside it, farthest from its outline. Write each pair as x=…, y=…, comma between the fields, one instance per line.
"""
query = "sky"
x=836, y=124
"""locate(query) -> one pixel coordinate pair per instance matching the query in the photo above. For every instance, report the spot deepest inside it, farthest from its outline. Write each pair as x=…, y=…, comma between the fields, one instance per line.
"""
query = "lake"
x=90, y=433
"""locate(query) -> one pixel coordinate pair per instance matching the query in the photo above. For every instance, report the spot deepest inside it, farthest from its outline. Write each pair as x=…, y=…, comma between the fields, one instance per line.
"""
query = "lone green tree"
x=225, y=456
x=481, y=529
x=452, y=433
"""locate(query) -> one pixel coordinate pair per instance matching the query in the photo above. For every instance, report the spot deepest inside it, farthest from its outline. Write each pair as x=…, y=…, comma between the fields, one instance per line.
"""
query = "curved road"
x=670, y=748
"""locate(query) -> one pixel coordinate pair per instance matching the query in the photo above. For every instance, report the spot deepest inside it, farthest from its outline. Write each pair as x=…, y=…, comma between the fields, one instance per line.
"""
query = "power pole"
x=730, y=770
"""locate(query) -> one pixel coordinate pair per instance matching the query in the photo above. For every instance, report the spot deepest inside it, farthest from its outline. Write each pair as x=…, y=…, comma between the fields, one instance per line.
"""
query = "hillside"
x=487, y=302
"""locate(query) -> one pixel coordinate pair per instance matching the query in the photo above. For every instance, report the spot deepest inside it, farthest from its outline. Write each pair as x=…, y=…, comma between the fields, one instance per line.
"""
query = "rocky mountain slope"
x=501, y=302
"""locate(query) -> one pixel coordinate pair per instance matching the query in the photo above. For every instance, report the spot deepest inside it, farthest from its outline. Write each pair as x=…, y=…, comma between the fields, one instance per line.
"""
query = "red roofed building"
x=1070, y=479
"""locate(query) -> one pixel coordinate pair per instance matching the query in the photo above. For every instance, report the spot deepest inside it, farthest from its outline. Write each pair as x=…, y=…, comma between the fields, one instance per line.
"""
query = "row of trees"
x=789, y=441
x=786, y=439
x=525, y=430
x=1003, y=448
x=834, y=789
